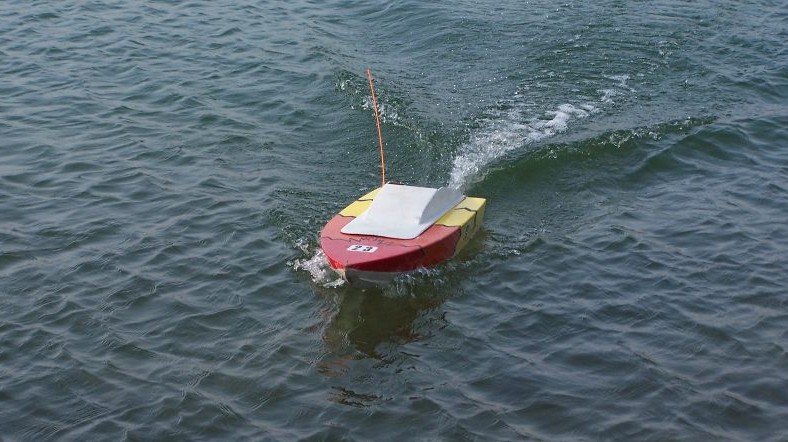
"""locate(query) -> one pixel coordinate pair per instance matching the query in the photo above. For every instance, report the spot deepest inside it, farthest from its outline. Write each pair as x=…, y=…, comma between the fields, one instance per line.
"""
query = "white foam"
x=607, y=95
x=512, y=129
x=317, y=266
x=622, y=81
x=343, y=85
x=508, y=131
x=388, y=114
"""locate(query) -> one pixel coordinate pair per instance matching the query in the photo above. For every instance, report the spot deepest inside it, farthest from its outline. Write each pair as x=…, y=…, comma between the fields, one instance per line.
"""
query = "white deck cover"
x=403, y=212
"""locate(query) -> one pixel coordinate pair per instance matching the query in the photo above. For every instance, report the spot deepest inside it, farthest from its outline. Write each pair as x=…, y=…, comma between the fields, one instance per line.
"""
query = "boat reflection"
x=360, y=322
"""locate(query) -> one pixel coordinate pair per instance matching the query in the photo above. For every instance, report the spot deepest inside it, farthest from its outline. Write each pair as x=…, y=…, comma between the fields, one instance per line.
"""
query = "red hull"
x=379, y=254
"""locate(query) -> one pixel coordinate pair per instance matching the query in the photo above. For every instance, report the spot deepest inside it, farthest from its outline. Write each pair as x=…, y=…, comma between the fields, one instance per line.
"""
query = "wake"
x=507, y=130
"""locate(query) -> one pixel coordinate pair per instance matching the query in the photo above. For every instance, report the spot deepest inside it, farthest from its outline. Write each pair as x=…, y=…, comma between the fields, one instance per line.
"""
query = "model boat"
x=396, y=229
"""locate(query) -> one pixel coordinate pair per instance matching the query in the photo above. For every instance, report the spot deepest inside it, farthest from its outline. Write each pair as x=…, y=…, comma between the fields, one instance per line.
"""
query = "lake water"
x=167, y=167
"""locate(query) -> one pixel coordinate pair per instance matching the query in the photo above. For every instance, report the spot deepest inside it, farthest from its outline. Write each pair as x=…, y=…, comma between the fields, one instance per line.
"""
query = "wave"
x=514, y=125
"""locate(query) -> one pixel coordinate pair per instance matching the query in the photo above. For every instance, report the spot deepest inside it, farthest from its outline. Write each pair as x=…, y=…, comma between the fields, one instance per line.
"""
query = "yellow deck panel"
x=471, y=203
x=371, y=195
x=356, y=208
x=455, y=218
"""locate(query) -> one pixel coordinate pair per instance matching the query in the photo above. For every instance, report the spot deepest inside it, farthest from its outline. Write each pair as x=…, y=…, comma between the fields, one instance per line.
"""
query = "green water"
x=167, y=166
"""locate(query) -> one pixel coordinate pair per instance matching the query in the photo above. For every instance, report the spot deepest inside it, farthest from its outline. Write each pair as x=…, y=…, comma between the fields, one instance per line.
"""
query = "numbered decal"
x=362, y=248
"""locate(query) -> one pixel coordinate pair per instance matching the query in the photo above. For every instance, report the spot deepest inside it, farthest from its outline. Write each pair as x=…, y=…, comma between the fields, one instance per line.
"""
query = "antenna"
x=380, y=134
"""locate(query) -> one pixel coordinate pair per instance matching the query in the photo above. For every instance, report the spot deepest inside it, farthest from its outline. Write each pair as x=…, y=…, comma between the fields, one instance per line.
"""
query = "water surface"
x=166, y=168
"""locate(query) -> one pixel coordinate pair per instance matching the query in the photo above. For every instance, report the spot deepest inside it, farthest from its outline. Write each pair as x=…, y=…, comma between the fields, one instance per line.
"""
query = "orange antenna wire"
x=380, y=134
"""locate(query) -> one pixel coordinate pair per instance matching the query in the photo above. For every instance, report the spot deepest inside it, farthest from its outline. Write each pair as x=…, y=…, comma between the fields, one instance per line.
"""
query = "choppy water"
x=166, y=167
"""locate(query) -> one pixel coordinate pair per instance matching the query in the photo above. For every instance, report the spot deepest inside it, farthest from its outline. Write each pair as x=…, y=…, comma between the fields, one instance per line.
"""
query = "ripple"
x=166, y=169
